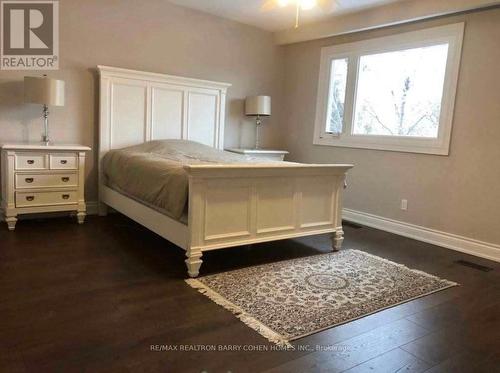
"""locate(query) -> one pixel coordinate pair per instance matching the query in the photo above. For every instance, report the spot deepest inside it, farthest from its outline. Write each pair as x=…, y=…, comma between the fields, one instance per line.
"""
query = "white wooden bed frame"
x=229, y=205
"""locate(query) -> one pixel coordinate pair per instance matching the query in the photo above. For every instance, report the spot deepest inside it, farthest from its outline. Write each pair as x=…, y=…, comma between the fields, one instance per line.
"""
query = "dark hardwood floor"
x=110, y=296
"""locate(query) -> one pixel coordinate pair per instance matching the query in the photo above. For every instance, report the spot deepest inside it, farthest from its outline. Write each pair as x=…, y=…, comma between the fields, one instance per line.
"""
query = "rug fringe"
x=250, y=321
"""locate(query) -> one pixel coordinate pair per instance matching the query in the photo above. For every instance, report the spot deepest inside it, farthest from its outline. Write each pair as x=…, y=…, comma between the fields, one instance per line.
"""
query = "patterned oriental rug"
x=291, y=299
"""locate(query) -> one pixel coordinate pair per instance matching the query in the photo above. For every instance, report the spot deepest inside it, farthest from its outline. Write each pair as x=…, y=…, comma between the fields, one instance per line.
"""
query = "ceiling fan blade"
x=328, y=5
x=325, y=5
x=269, y=5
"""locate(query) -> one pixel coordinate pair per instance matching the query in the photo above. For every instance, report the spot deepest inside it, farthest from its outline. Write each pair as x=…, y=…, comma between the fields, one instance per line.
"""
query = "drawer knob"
x=65, y=179
x=30, y=161
x=29, y=180
x=64, y=161
x=30, y=198
x=65, y=196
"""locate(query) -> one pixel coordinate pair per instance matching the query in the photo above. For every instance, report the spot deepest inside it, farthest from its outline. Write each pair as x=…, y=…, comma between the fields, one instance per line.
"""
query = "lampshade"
x=258, y=105
x=43, y=91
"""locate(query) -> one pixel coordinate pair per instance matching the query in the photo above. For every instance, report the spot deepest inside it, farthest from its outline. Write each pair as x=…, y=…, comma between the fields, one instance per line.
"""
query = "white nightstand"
x=42, y=178
x=266, y=154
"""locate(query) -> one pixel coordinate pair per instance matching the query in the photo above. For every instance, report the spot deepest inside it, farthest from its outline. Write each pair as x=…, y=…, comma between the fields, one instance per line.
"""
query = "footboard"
x=231, y=205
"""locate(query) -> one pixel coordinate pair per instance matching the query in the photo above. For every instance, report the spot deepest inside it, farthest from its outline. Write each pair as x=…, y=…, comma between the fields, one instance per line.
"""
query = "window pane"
x=399, y=93
x=336, y=97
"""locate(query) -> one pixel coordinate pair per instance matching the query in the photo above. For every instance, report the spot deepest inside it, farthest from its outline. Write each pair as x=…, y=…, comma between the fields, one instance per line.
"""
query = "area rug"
x=291, y=299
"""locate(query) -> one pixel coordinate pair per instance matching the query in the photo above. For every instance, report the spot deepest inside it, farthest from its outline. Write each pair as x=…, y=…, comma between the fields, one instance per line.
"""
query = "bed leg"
x=193, y=261
x=337, y=239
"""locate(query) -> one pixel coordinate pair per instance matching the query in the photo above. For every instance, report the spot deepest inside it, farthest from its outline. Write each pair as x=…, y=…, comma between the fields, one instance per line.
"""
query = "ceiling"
x=251, y=11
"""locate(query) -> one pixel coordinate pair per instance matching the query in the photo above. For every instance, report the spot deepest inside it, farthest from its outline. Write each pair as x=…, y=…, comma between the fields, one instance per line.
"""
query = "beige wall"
x=459, y=193
x=151, y=35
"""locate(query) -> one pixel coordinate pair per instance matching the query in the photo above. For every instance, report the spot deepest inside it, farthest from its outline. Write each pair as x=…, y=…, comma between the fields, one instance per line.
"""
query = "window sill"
x=408, y=145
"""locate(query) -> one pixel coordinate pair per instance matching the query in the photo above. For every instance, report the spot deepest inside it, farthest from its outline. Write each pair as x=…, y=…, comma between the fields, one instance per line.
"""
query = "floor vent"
x=351, y=225
x=474, y=265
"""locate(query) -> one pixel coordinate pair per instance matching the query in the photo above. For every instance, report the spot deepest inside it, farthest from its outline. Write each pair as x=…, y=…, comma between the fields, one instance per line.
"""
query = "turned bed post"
x=193, y=261
x=338, y=235
x=337, y=239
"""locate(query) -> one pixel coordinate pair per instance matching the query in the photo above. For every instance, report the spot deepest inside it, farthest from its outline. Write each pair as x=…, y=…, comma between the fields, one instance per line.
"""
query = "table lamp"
x=46, y=92
x=258, y=106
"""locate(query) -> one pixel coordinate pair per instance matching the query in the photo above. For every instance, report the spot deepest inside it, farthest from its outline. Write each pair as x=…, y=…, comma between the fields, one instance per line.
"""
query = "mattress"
x=153, y=172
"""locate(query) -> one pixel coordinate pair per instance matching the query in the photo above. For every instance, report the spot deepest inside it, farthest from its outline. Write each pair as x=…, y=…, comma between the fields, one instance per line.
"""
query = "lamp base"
x=45, y=135
x=257, y=127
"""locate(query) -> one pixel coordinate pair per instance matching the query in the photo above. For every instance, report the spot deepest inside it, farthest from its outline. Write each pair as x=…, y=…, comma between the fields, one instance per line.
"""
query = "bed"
x=228, y=204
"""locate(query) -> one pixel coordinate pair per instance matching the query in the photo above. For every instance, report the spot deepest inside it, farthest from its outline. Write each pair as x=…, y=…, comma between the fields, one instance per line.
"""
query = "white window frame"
x=450, y=34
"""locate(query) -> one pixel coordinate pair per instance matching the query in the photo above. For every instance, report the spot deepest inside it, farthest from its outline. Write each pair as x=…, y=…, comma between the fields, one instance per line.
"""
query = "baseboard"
x=92, y=208
x=450, y=241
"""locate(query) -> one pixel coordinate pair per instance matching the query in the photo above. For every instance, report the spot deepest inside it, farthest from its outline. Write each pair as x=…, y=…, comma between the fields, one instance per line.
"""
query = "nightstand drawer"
x=30, y=161
x=46, y=180
x=63, y=161
x=27, y=199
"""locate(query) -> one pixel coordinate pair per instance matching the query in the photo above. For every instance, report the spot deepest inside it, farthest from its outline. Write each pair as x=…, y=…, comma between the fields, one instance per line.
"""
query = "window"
x=338, y=83
x=393, y=93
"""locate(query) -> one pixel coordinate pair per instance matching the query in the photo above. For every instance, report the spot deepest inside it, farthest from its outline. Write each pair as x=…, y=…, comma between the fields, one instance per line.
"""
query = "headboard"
x=137, y=106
